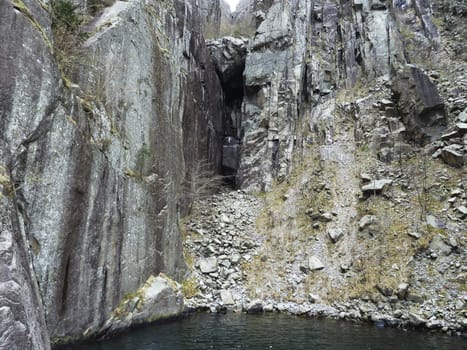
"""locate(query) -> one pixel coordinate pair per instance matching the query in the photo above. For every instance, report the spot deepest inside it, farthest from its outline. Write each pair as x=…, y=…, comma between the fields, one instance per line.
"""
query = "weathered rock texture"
x=215, y=16
x=99, y=141
x=304, y=51
x=353, y=122
x=22, y=322
x=99, y=168
x=158, y=299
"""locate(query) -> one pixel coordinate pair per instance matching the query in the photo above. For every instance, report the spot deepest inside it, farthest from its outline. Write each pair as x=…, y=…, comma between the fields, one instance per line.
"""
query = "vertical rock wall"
x=99, y=168
x=303, y=52
x=22, y=322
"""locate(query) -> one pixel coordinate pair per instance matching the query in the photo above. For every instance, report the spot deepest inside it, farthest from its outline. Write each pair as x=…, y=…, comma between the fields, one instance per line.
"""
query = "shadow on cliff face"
x=228, y=55
x=420, y=105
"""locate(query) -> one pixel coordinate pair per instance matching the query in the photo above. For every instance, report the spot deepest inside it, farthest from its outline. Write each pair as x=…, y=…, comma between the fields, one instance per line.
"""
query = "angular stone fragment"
x=376, y=186
x=450, y=135
x=415, y=234
x=335, y=234
x=226, y=297
x=208, y=265
x=314, y=263
x=463, y=116
x=462, y=210
x=402, y=290
x=416, y=319
x=365, y=177
x=235, y=258
x=313, y=298
x=254, y=307
x=435, y=222
x=324, y=217
x=453, y=156
x=439, y=246
x=461, y=128
x=386, y=291
x=367, y=220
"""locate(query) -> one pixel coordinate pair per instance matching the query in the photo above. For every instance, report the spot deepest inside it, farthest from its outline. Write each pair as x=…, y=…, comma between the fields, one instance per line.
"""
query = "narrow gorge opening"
x=233, y=98
x=228, y=55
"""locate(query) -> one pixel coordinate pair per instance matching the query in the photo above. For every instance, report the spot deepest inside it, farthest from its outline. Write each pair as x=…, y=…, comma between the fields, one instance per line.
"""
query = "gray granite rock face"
x=99, y=168
x=304, y=52
x=28, y=93
x=22, y=321
x=95, y=173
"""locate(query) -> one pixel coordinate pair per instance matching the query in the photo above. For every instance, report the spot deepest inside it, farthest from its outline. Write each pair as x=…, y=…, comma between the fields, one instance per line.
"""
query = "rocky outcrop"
x=303, y=53
x=420, y=104
x=158, y=299
x=98, y=151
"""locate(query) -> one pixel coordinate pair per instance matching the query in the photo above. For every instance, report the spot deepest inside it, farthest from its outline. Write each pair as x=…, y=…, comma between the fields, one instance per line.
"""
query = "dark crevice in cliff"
x=228, y=56
x=233, y=97
x=65, y=288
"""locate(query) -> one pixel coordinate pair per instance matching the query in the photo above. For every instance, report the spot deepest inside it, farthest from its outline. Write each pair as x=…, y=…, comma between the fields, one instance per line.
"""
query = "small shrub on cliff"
x=66, y=22
x=65, y=16
x=201, y=181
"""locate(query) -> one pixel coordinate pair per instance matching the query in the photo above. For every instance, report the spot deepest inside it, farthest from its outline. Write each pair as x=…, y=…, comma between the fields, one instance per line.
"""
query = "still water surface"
x=271, y=331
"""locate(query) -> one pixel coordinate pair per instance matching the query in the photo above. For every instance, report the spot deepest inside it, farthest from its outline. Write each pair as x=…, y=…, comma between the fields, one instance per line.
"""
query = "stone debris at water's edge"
x=227, y=223
x=222, y=228
x=208, y=265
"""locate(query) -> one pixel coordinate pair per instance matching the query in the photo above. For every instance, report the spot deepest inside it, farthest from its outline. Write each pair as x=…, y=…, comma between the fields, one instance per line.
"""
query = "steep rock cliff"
x=334, y=108
x=96, y=169
x=305, y=51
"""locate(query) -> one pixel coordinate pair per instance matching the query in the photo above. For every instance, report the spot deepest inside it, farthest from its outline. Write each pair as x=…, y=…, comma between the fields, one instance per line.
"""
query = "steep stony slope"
x=352, y=121
x=96, y=143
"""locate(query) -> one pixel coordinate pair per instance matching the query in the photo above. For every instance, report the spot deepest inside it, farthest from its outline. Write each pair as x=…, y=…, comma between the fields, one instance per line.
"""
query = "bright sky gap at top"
x=233, y=4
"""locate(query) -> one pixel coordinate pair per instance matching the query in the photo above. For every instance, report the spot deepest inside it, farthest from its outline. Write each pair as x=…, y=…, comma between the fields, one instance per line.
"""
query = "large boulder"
x=159, y=298
x=420, y=103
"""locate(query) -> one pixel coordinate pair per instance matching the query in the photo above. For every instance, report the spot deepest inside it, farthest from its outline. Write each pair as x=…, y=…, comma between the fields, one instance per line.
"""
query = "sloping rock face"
x=27, y=96
x=97, y=169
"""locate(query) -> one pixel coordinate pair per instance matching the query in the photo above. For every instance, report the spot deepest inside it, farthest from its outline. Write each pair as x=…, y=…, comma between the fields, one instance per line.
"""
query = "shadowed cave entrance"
x=228, y=56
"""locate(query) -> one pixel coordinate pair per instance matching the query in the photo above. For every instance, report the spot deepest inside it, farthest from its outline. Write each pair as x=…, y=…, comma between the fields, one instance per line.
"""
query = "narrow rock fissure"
x=233, y=97
x=228, y=56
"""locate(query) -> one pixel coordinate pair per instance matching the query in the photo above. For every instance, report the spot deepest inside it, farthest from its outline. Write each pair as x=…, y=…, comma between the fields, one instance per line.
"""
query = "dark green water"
x=271, y=331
